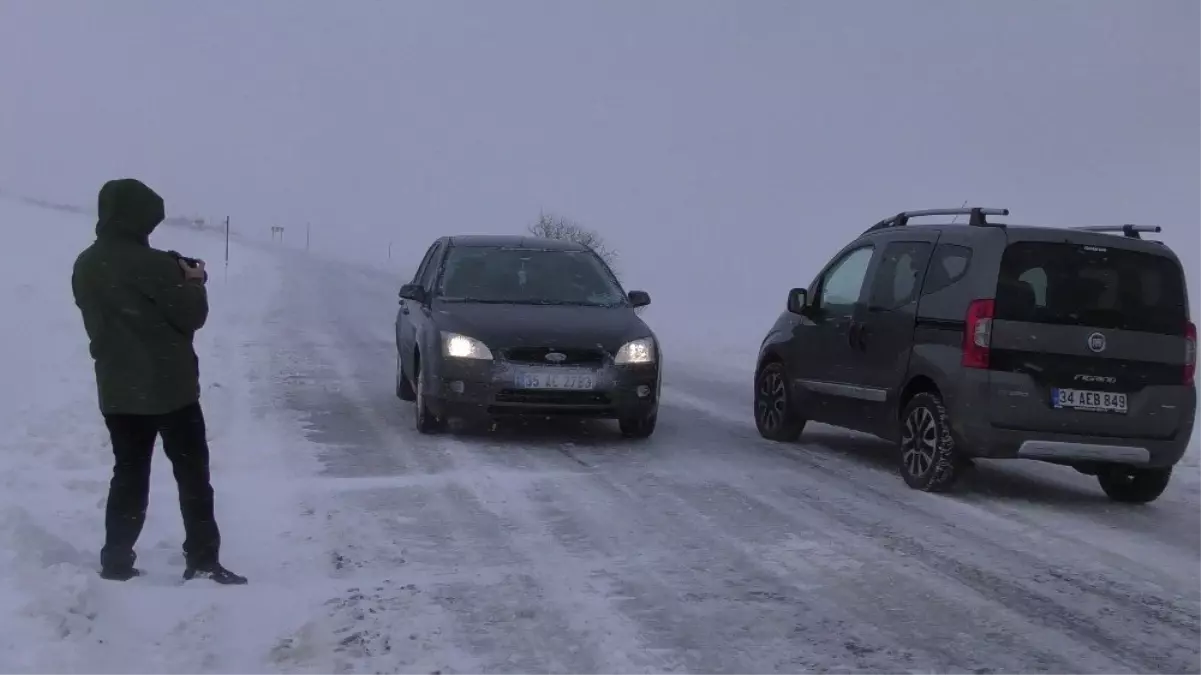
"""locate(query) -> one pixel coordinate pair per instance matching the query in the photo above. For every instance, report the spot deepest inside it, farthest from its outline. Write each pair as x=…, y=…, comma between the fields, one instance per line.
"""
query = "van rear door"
x=1089, y=337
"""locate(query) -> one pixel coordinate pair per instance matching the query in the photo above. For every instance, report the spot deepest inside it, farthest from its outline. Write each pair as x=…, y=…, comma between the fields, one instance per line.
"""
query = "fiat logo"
x=556, y=357
x=1096, y=342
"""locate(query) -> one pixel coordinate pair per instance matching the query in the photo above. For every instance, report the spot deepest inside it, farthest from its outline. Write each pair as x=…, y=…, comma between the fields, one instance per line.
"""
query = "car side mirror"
x=639, y=298
x=414, y=292
x=798, y=300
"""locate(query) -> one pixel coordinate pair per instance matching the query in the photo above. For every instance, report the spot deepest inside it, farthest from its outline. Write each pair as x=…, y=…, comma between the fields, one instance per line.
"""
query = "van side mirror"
x=414, y=292
x=639, y=298
x=798, y=299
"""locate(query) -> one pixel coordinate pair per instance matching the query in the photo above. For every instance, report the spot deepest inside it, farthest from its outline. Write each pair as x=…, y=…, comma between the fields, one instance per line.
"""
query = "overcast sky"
x=735, y=144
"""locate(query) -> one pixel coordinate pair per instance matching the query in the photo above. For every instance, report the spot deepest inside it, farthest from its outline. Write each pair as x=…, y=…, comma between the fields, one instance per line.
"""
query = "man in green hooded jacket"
x=141, y=307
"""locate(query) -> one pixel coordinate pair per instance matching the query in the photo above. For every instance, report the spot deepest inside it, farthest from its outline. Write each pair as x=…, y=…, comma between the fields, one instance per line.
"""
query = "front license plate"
x=1095, y=401
x=543, y=379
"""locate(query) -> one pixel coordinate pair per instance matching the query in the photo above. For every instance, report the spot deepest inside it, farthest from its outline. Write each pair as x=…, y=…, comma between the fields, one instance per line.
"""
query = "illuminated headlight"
x=462, y=347
x=636, y=351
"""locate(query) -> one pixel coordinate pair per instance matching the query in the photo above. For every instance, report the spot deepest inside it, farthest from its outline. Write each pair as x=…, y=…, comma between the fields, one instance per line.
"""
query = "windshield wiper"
x=478, y=301
x=574, y=303
x=531, y=301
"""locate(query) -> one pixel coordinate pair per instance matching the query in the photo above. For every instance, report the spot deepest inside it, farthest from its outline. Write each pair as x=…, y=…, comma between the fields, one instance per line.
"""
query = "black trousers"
x=186, y=445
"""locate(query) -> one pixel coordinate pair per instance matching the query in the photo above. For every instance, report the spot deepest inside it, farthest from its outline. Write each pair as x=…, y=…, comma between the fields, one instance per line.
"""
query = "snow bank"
x=57, y=614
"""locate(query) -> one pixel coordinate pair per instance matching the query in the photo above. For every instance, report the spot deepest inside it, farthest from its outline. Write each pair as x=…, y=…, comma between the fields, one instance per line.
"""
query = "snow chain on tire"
x=947, y=463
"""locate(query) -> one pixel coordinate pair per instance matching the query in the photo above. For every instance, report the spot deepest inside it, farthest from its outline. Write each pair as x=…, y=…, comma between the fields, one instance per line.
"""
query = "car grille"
x=538, y=355
x=539, y=397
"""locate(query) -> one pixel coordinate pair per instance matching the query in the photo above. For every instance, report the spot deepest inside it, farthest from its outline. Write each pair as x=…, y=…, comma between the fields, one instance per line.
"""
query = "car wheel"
x=404, y=388
x=930, y=460
x=638, y=427
x=775, y=414
x=427, y=421
x=1133, y=485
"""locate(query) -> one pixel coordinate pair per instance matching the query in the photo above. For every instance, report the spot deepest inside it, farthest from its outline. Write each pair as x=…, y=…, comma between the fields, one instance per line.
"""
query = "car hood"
x=562, y=326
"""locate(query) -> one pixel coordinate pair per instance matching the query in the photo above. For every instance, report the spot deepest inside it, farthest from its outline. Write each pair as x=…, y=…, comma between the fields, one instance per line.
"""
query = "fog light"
x=643, y=391
x=457, y=386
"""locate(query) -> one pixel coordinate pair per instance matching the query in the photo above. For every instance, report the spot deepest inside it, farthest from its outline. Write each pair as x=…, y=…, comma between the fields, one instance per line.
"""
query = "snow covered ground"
x=373, y=549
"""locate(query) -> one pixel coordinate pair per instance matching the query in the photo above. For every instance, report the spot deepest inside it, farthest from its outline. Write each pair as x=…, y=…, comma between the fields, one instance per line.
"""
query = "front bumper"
x=476, y=389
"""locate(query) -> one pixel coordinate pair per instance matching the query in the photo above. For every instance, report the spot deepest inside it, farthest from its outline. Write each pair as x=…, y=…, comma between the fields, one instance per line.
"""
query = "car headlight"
x=462, y=347
x=641, y=350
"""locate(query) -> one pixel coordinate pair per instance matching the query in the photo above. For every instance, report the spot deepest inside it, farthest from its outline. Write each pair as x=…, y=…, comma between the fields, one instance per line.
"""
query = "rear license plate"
x=550, y=379
x=1095, y=401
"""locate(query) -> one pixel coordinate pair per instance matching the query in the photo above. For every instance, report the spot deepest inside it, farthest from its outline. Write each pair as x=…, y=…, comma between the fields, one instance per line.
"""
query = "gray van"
x=982, y=339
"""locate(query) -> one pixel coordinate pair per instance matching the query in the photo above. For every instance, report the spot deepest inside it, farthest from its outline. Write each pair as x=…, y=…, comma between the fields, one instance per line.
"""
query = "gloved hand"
x=193, y=268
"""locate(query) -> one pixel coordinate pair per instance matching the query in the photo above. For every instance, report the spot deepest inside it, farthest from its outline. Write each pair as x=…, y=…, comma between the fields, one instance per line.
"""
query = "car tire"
x=404, y=388
x=1131, y=485
x=638, y=427
x=776, y=415
x=427, y=421
x=930, y=459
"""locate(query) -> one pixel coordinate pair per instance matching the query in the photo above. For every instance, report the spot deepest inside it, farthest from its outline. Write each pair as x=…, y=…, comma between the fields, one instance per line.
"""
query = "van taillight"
x=977, y=336
x=1190, y=353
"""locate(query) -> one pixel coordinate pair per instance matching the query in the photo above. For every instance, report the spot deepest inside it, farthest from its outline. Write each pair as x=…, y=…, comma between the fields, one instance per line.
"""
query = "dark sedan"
x=510, y=325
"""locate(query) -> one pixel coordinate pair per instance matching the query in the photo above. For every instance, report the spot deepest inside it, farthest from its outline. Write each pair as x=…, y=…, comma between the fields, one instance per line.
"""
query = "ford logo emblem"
x=1096, y=342
x=556, y=357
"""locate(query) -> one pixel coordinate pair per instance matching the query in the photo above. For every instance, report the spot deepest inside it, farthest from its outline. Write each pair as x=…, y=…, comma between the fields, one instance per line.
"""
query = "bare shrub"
x=550, y=226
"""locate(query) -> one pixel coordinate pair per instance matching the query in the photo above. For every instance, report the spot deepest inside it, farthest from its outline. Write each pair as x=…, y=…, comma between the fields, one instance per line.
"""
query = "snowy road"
x=704, y=549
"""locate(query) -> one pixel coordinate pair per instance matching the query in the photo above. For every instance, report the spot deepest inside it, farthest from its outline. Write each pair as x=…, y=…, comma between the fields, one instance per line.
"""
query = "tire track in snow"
x=376, y=619
x=793, y=568
x=1135, y=624
x=458, y=525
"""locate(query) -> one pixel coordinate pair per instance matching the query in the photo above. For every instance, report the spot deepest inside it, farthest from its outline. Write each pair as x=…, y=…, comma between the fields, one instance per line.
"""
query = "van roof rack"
x=1132, y=231
x=976, y=217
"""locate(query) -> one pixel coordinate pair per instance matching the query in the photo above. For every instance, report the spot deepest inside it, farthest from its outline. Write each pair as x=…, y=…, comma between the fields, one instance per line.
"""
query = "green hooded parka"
x=139, y=310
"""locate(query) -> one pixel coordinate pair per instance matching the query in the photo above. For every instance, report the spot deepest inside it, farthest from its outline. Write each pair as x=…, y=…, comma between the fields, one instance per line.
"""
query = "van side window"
x=899, y=275
x=843, y=283
x=1037, y=278
x=948, y=265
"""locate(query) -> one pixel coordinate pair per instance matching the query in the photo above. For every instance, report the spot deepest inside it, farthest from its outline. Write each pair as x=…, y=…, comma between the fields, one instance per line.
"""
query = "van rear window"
x=1101, y=287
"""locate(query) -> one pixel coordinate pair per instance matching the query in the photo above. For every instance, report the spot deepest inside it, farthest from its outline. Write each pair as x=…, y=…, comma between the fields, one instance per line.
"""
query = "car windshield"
x=528, y=277
x=1061, y=283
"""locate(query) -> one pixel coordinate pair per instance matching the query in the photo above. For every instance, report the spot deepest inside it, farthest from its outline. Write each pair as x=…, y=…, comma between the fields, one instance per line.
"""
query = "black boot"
x=119, y=573
x=215, y=572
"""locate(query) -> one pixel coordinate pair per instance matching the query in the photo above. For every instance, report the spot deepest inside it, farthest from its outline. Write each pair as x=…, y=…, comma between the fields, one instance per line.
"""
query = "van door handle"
x=857, y=335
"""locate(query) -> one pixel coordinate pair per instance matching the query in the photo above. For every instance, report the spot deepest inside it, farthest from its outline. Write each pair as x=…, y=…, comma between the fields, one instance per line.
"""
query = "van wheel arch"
x=919, y=384
x=773, y=393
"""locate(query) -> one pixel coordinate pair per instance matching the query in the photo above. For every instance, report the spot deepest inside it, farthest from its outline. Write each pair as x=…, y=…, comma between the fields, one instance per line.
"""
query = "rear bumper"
x=486, y=389
x=981, y=398
x=1072, y=449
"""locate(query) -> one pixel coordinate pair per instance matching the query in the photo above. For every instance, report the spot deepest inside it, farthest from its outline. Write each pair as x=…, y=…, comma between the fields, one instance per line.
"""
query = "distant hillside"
x=192, y=222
